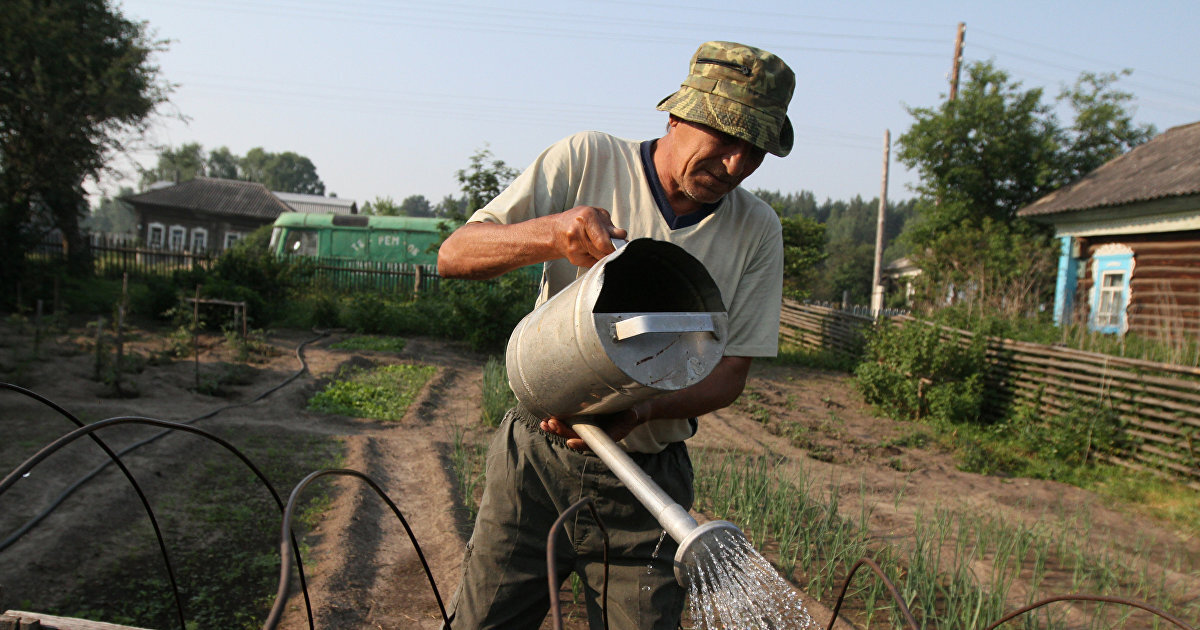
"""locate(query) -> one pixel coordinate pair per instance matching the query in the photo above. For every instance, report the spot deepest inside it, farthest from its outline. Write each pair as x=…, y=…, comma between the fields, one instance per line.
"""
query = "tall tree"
x=1103, y=127
x=984, y=156
x=253, y=167
x=77, y=79
x=802, y=204
x=485, y=178
x=292, y=172
x=382, y=206
x=803, y=250
x=416, y=206
x=222, y=164
x=990, y=152
x=113, y=215
x=176, y=165
x=281, y=172
x=451, y=206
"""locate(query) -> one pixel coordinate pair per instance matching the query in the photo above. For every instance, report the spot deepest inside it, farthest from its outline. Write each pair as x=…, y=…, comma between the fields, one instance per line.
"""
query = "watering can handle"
x=663, y=323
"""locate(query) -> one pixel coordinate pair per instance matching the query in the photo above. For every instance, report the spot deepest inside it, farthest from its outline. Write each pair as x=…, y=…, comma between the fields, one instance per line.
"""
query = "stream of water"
x=731, y=585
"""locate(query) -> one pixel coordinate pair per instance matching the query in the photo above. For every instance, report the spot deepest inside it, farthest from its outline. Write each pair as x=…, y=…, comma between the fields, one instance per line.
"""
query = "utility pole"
x=958, y=47
x=877, y=282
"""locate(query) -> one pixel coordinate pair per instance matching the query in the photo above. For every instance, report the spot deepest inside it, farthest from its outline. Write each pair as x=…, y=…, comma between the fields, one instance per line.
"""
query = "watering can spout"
x=692, y=537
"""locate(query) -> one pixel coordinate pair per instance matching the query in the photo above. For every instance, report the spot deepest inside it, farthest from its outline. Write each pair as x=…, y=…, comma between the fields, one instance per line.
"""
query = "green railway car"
x=356, y=237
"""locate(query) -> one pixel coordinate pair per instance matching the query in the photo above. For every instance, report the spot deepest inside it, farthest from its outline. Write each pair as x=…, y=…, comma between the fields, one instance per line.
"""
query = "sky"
x=389, y=98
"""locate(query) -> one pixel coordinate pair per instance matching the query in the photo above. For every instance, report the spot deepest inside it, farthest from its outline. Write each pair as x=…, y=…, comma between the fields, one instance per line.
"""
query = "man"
x=564, y=210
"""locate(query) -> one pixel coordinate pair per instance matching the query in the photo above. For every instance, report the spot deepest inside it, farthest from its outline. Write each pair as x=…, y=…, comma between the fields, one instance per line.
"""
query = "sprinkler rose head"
x=696, y=549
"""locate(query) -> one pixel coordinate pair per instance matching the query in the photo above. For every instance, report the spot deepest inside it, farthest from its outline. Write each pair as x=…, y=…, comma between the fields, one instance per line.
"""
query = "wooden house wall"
x=217, y=226
x=1165, y=284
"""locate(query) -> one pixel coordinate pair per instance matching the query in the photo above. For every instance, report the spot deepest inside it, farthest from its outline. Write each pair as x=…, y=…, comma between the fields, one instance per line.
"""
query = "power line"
x=1085, y=58
x=774, y=14
x=1043, y=62
x=565, y=25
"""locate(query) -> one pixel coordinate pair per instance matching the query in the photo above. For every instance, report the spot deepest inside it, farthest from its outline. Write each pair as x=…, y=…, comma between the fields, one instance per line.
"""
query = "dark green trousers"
x=532, y=477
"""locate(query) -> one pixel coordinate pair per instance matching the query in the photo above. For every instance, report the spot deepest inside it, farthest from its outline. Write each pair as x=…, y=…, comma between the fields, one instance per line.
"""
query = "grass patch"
x=1165, y=500
x=498, y=397
x=222, y=531
x=382, y=393
x=467, y=460
x=791, y=354
x=372, y=343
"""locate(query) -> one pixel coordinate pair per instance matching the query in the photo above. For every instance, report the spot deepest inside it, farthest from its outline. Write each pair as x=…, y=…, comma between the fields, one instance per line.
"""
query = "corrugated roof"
x=225, y=197
x=317, y=203
x=1167, y=166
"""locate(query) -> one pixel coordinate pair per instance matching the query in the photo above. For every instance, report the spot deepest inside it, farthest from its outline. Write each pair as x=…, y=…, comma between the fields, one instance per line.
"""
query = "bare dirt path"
x=362, y=570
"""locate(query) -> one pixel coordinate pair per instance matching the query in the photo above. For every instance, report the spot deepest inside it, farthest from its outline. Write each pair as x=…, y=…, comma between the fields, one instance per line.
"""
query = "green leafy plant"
x=383, y=393
x=371, y=343
x=253, y=346
x=485, y=313
x=916, y=371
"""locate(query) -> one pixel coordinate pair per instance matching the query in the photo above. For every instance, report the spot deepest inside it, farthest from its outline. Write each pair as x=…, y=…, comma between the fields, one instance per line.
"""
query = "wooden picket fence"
x=824, y=328
x=1158, y=402
x=356, y=275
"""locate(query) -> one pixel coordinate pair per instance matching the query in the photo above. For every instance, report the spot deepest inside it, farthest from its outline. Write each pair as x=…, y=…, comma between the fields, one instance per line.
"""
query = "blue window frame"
x=1110, y=291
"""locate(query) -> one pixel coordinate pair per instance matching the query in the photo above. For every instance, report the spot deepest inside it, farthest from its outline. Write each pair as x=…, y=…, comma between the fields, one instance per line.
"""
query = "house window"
x=154, y=236
x=178, y=237
x=231, y=238
x=1112, y=299
x=1112, y=268
x=199, y=240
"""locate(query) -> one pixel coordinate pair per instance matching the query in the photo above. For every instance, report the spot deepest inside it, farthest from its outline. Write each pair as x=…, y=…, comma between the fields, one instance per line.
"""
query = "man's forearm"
x=478, y=251
x=717, y=391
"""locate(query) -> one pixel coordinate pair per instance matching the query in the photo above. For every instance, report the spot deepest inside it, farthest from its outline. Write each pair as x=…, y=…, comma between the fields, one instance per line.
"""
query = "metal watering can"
x=644, y=321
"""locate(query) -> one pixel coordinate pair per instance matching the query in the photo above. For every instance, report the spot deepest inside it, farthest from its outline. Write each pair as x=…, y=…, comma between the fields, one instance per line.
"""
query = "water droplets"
x=654, y=556
x=731, y=585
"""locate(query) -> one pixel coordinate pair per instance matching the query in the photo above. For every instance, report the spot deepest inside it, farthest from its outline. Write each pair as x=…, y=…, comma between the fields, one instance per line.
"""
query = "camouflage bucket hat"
x=740, y=90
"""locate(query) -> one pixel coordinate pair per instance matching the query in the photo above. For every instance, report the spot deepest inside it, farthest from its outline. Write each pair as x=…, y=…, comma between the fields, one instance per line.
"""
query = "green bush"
x=485, y=313
x=956, y=401
x=248, y=272
x=325, y=309
x=368, y=312
x=152, y=296
x=912, y=372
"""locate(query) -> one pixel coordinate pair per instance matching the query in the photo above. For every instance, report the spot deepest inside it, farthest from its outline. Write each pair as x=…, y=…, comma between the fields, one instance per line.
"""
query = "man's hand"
x=583, y=235
x=617, y=425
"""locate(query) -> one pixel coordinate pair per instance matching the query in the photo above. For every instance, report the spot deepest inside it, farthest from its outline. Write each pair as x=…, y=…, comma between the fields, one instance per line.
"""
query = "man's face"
x=710, y=162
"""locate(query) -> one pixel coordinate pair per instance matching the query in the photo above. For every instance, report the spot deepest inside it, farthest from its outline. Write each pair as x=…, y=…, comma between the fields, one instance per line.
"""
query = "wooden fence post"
x=120, y=350
x=196, y=336
x=99, y=347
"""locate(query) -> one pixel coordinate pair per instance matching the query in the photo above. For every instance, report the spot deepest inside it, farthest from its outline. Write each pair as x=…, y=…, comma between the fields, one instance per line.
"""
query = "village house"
x=208, y=214
x=1129, y=234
